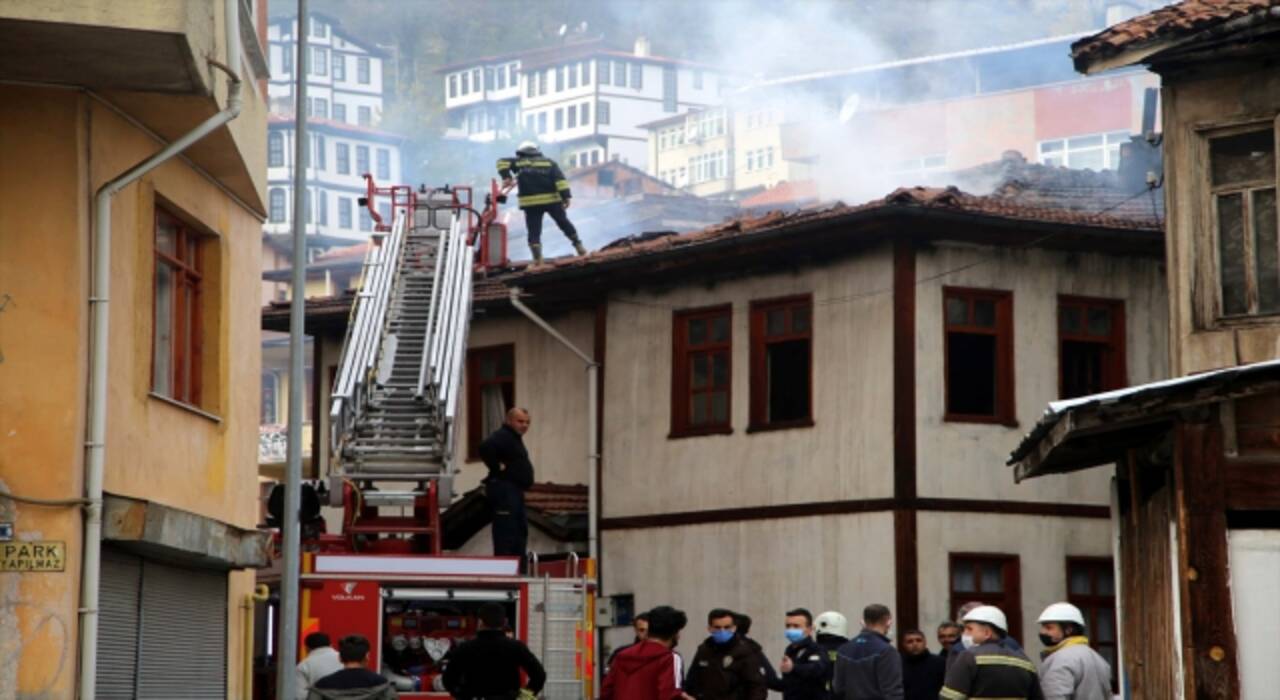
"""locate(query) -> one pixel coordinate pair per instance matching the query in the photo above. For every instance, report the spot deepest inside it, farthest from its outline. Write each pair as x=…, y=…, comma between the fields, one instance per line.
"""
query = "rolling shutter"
x=183, y=645
x=118, y=624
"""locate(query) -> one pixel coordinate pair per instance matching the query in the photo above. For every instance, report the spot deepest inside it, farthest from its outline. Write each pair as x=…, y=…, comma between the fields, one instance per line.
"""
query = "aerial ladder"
x=393, y=420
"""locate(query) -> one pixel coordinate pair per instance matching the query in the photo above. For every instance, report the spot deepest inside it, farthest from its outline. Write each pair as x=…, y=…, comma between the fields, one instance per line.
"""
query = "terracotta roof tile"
x=1175, y=21
x=782, y=194
x=556, y=499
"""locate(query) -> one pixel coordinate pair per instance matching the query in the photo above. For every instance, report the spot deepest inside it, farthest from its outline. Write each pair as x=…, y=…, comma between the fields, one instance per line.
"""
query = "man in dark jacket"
x=868, y=667
x=922, y=671
x=742, y=622
x=987, y=668
x=488, y=667
x=725, y=667
x=354, y=681
x=804, y=663
x=543, y=190
x=510, y=475
x=649, y=669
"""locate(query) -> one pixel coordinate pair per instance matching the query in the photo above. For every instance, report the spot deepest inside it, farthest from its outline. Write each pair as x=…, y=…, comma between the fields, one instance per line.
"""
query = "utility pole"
x=290, y=527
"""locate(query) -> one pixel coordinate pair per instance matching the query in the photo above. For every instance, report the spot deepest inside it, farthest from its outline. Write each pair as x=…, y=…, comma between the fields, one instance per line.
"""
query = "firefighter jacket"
x=540, y=180
x=831, y=644
x=489, y=667
x=726, y=672
x=643, y=671
x=505, y=455
x=1071, y=670
x=991, y=671
x=807, y=679
x=868, y=668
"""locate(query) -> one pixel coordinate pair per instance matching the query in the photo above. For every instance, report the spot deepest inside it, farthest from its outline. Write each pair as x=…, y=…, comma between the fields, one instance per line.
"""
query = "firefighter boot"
x=577, y=246
x=536, y=249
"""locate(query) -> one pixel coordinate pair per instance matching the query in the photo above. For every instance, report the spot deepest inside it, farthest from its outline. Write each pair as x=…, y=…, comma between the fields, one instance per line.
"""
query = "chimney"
x=642, y=46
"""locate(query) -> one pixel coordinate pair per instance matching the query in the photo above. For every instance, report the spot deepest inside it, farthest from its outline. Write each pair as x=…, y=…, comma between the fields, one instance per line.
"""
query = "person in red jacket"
x=650, y=669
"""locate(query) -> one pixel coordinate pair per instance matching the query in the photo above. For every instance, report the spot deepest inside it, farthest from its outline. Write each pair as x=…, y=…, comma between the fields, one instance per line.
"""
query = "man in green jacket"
x=543, y=190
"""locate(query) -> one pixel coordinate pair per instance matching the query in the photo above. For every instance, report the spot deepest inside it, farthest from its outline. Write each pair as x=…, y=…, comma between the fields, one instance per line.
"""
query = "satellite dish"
x=563, y=29
x=849, y=108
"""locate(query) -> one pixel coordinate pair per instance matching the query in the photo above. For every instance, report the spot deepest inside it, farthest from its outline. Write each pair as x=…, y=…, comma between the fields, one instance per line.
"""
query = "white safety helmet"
x=832, y=622
x=1062, y=612
x=990, y=615
x=527, y=147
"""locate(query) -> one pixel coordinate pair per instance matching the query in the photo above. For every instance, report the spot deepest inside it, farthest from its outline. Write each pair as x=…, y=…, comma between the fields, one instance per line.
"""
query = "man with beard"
x=922, y=671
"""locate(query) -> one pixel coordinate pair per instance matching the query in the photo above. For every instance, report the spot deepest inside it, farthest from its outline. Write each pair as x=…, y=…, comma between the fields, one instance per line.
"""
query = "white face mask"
x=967, y=640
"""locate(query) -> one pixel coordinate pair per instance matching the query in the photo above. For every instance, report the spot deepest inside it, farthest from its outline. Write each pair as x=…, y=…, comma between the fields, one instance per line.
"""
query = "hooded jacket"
x=726, y=672
x=868, y=668
x=353, y=684
x=1071, y=670
x=645, y=670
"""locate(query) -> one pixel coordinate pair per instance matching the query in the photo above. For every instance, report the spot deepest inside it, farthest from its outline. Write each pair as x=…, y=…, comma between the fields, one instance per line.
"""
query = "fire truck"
x=392, y=420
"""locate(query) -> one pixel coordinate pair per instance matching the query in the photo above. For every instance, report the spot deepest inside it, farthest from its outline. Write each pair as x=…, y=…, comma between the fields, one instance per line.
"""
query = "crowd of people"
x=978, y=659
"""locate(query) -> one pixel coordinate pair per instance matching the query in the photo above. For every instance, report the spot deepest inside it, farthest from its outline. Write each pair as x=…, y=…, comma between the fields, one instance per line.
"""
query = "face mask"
x=794, y=634
x=967, y=641
x=1047, y=640
x=722, y=636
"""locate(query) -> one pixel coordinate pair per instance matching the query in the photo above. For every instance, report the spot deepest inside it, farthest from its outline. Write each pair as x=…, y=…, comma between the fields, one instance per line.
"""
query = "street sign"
x=6, y=532
x=33, y=556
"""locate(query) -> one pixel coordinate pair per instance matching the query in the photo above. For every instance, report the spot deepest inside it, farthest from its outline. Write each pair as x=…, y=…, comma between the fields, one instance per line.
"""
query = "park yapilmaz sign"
x=33, y=556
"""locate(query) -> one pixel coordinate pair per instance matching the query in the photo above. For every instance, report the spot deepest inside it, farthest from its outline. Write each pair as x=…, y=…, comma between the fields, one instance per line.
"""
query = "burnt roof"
x=1180, y=21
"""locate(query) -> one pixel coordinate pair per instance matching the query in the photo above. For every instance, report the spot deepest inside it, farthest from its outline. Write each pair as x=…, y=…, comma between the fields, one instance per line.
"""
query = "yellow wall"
x=59, y=146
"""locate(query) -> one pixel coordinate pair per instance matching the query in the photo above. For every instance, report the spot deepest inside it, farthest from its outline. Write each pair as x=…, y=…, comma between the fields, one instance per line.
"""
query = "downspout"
x=96, y=419
x=593, y=408
x=260, y=593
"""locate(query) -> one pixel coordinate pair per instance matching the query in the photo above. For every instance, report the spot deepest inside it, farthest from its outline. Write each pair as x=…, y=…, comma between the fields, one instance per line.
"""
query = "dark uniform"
x=991, y=670
x=510, y=474
x=807, y=679
x=831, y=644
x=726, y=672
x=488, y=668
x=543, y=190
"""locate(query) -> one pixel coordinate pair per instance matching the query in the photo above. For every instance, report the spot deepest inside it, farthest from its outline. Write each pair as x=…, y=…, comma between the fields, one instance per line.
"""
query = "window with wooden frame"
x=491, y=392
x=978, y=370
x=176, y=330
x=781, y=363
x=1242, y=185
x=990, y=579
x=702, y=361
x=1091, y=356
x=1091, y=587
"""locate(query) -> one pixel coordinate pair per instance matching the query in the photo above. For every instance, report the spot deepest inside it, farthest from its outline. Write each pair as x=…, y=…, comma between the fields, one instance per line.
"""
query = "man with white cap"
x=986, y=668
x=1069, y=668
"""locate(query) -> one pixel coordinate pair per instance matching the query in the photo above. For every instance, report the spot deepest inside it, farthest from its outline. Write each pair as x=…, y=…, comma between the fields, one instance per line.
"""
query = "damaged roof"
x=1141, y=37
x=1092, y=430
x=560, y=510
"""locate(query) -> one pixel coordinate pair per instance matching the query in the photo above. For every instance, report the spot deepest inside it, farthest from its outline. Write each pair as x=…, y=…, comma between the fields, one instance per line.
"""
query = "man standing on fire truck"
x=543, y=190
x=510, y=474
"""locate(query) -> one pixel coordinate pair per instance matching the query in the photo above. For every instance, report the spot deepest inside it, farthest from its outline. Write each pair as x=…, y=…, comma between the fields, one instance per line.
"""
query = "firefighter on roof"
x=543, y=190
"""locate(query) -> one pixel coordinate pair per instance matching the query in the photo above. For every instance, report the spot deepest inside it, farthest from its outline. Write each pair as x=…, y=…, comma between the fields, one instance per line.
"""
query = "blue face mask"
x=722, y=636
x=795, y=634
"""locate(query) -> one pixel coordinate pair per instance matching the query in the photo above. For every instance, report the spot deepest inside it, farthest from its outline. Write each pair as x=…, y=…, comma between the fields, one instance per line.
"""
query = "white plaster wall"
x=762, y=568
x=846, y=455
x=967, y=460
x=1041, y=543
x=551, y=384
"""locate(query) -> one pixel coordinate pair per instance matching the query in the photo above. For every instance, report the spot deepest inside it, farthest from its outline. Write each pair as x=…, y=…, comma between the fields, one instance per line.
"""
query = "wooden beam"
x=1251, y=485
x=905, y=547
x=1211, y=639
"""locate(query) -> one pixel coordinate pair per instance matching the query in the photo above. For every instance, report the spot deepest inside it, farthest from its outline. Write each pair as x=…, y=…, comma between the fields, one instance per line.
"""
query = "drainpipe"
x=260, y=593
x=593, y=409
x=96, y=420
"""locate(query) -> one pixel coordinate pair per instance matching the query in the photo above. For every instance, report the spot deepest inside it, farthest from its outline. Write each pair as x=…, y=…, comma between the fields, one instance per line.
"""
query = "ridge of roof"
x=1172, y=22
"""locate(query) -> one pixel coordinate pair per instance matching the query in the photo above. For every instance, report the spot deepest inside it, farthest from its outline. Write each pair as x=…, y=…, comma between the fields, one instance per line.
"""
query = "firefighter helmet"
x=832, y=622
x=1062, y=612
x=527, y=148
x=989, y=615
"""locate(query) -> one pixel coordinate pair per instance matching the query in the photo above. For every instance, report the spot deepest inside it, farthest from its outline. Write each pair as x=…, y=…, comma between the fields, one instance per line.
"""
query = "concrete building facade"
x=180, y=503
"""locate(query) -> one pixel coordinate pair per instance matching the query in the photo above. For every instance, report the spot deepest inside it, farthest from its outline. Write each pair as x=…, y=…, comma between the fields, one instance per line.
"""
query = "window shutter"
x=118, y=616
x=184, y=633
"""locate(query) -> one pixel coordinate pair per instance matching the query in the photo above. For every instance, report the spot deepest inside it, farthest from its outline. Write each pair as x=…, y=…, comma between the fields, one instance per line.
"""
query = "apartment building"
x=583, y=101
x=904, y=122
x=345, y=99
x=128, y=338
